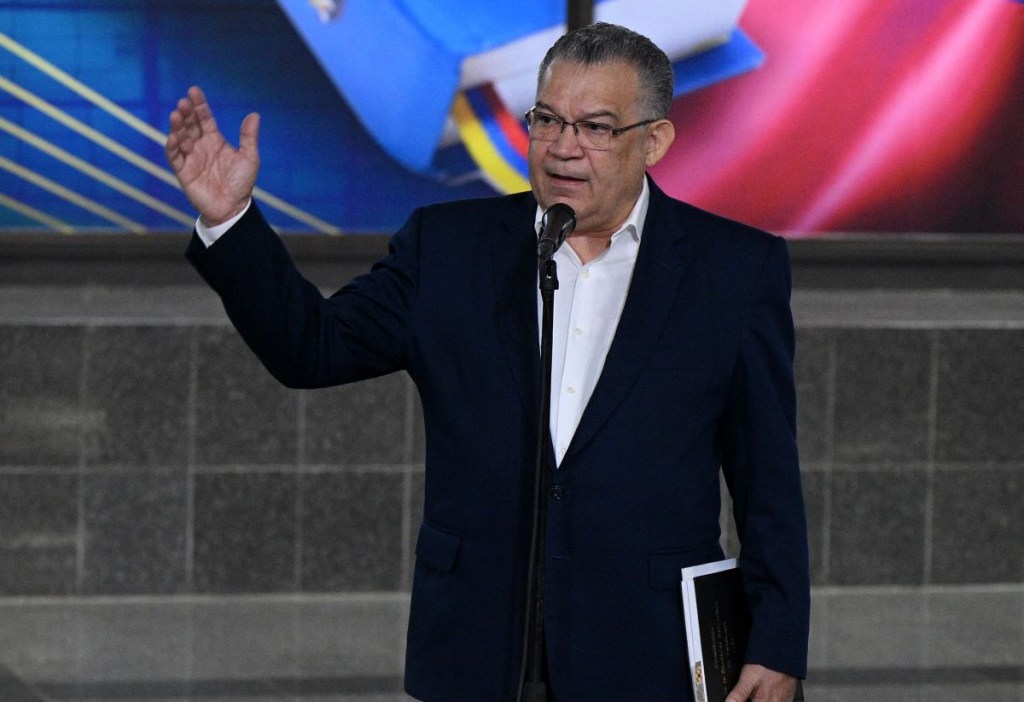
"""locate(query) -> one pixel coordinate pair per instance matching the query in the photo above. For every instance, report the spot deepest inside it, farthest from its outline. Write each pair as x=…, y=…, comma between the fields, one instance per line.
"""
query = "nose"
x=568, y=141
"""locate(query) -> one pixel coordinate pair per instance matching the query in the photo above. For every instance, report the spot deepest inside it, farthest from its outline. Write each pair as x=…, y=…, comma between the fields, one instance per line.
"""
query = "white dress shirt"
x=588, y=304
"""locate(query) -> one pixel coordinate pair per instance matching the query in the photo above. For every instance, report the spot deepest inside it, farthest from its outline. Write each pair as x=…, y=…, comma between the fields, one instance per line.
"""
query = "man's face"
x=601, y=186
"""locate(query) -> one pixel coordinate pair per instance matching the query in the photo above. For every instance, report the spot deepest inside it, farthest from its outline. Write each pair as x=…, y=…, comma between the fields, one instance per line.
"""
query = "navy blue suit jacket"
x=698, y=379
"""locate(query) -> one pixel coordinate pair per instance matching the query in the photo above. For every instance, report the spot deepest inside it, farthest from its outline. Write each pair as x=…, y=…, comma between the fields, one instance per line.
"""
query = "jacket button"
x=556, y=492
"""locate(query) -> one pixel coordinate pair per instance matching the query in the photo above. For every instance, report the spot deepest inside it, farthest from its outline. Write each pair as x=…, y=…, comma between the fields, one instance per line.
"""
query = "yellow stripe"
x=71, y=196
x=33, y=213
x=131, y=120
x=497, y=170
x=76, y=86
x=294, y=212
x=95, y=173
x=88, y=132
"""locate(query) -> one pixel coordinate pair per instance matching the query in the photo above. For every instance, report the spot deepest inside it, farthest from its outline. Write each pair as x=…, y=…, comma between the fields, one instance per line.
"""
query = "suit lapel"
x=659, y=276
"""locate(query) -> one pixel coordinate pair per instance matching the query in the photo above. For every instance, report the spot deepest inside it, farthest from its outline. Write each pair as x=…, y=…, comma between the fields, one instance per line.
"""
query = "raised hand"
x=217, y=178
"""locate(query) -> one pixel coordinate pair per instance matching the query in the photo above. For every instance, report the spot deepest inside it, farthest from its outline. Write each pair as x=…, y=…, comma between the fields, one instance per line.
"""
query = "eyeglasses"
x=544, y=126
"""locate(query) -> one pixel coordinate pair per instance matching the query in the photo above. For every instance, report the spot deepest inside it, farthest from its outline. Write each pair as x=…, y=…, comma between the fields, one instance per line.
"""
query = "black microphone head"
x=560, y=220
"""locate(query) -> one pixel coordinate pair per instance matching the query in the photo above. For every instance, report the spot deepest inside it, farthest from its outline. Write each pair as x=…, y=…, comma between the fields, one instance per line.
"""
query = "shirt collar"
x=634, y=223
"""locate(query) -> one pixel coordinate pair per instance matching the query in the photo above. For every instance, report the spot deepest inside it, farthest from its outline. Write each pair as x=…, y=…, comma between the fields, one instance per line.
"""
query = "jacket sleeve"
x=304, y=339
x=761, y=468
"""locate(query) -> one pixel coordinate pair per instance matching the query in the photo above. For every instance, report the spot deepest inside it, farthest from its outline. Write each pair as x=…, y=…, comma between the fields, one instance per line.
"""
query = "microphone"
x=558, y=222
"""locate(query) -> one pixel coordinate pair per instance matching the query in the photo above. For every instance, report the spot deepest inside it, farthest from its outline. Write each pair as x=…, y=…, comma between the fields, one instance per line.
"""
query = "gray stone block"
x=135, y=532
x=245, y=532
x=352, y=531
x=38, y=527
x=814, y=377
x=978, y=522
x=137, y=386
x=882, y=396
x=815, y=485
x=980, y=406
x=416, y=487
x=728, y=536
x=243, y=415
x=41, y=416
x=417, y=452
x=877, y=527
x=358, y=424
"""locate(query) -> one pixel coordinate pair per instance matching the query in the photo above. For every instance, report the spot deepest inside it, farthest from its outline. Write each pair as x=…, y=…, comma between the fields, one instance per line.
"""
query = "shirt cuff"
x=209, y=235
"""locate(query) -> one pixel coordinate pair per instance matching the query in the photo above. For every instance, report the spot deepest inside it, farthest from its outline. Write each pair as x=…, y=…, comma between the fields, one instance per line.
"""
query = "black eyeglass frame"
x=613, y=131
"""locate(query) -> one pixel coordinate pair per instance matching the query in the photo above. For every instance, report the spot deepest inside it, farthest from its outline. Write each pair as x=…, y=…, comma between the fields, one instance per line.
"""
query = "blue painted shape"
x=350, y=52
x=472, y=26
x=736, y=56
x=397, y=62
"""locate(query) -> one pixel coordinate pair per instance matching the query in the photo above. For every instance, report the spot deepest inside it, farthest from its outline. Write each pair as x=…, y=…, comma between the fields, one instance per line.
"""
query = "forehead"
x=582, y=89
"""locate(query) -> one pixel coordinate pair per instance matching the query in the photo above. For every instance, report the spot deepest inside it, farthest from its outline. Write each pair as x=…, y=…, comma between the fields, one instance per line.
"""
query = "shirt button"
x=586, y=272
x=571, y=389
x=577, y=331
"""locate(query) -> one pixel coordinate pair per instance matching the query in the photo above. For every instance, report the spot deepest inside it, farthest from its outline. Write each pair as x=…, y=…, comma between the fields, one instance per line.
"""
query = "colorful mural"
x=463, y=72
x=798, y=116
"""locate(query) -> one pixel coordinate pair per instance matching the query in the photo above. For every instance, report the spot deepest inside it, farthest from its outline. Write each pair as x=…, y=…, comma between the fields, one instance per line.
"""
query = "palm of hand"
x=217, y=178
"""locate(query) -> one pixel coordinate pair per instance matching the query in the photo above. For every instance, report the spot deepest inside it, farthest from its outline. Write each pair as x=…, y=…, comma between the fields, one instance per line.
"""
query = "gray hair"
x=604, y=43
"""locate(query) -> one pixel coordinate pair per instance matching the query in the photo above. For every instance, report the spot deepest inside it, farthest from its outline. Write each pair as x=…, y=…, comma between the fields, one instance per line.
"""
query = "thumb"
x=744, y=688
x=249, y=136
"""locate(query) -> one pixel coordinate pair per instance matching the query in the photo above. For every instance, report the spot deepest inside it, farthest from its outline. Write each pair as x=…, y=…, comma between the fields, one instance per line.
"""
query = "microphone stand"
x=533, y=686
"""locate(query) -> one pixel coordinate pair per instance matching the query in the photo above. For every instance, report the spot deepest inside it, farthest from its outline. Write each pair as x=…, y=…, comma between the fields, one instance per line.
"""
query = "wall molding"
x=835, y=261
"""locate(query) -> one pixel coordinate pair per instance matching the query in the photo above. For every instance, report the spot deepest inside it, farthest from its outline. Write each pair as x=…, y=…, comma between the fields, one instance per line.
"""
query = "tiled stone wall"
x=155, y=455
x=144, y=450
x=913, y=454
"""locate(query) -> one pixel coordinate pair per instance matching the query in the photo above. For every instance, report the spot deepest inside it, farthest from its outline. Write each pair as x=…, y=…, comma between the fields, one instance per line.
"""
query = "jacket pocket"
x=437, y=549
x=664, y=570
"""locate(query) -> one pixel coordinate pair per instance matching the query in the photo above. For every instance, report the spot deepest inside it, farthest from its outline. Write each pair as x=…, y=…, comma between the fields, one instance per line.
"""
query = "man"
x=673, y=359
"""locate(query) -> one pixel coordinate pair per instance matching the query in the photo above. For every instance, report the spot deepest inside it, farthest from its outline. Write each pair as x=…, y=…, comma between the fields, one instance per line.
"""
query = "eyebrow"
x=586, y=118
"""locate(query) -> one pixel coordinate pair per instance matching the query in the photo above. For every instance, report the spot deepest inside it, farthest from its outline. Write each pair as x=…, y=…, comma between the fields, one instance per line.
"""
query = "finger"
x=183, y=132
x=249, y=135
x=201, y=109
x=172, y=145
x=744, y=688
x=195, y=97
x=179, y=141
x=740, y=693
x=196, y=94
x=184, y=123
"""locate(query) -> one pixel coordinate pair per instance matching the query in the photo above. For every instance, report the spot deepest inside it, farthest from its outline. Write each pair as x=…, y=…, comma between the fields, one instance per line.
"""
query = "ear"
x=660, y=136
